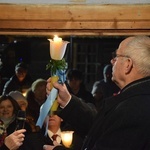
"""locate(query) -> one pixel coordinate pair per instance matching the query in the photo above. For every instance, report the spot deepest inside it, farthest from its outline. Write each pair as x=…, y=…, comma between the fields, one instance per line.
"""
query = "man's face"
x=122, y=64
x=54, y=120
x=40, y=94
x=118, y=63
x=74, y=83
x=21, y=73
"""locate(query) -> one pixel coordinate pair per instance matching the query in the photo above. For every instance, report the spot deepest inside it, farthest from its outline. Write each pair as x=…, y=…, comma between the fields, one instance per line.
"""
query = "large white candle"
x=57, y=48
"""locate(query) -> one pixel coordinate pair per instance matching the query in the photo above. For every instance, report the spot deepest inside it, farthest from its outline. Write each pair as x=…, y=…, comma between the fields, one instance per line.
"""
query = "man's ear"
x=128, y=66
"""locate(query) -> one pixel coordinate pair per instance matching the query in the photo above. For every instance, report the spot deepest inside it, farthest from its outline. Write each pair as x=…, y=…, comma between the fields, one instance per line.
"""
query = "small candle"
x=67, y=137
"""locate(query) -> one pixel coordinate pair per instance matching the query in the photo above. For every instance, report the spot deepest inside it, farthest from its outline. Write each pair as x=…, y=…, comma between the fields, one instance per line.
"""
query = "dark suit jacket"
x=36, y=140
x=122, y=124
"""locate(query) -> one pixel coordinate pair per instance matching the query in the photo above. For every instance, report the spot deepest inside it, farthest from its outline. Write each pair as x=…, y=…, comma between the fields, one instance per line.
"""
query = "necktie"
x=54, y=137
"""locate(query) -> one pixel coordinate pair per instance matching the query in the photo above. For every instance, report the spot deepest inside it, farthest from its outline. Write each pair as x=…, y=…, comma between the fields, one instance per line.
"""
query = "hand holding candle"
x=57, y=66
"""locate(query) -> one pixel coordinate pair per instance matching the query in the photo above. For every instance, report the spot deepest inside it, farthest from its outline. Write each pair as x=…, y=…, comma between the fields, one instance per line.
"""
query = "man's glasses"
x=115, y=55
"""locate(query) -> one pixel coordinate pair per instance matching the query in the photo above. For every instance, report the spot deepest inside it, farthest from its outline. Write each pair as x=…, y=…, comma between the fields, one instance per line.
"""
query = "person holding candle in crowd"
x=124, y=121
x=42, y=138
x=8, y=114
x=49, y=135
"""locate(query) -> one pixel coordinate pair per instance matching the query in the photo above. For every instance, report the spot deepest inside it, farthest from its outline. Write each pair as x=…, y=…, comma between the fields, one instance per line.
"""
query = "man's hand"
x=50, y=147
x=63, y=94
x=15, y=140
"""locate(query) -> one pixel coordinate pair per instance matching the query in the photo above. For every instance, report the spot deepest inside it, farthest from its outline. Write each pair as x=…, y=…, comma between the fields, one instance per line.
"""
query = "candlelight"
x=67, y=137
x=24, y=92
x=57, y=48
x=57, y=39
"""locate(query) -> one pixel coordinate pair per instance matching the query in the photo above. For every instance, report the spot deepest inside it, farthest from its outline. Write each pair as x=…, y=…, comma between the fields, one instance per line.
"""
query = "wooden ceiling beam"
x=74, y=19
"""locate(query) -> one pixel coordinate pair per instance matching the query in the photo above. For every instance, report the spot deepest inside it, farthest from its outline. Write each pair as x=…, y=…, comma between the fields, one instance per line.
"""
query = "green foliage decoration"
x=55, y=65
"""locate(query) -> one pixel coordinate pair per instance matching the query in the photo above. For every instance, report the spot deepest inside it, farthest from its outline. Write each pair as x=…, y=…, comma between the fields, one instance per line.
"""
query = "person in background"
x=36, y=96
x=23, y=103
x=75, y=85
x=42, y=137
x=21, y=81
x=20, y=99
x=50, y=134
x=124, y=121
x=105, y=87
x=8, y=114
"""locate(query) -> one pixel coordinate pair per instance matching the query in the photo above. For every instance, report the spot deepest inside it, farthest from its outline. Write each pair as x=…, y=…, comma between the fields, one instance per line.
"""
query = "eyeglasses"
x=115, y=55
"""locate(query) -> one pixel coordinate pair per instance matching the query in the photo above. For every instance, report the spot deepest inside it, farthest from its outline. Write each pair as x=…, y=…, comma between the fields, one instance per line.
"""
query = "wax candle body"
x=67, y=137
x=57, y=48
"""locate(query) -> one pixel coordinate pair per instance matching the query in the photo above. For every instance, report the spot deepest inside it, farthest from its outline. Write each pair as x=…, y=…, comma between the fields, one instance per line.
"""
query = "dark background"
x=88, y=54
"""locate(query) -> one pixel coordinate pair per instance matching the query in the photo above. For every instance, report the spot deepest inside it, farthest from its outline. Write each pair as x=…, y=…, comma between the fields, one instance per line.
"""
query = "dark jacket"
x=35, y=141
x=83, y=94
x=122, y=124
x=14, y=84
x=11, y=128
x=39, y=140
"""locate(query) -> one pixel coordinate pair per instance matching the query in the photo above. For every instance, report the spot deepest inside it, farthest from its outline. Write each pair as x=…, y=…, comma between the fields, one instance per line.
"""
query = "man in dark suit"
x=124, y=121
x=50, y=134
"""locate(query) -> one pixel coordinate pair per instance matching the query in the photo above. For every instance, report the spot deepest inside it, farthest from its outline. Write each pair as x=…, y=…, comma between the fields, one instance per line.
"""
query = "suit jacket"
x=122, y=124
x=36, y=140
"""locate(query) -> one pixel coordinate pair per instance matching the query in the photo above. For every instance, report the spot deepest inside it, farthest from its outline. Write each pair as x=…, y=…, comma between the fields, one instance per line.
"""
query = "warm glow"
x=67, y=137
x=57, y=39
x=24, y=92
x=57, y=48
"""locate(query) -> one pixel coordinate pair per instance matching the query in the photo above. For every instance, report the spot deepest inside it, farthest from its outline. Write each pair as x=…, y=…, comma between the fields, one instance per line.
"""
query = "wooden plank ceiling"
x=81, y=20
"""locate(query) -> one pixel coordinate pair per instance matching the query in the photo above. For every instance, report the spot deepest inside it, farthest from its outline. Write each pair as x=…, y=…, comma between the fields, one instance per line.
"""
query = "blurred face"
x=22, y=104
x=40, y=94
x=98, y=96
x=54, y=121
x=74, y=84
x=21, y=74
x=6, y=109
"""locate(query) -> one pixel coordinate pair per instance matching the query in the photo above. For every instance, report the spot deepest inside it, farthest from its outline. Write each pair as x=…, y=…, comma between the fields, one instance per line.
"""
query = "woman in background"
x=8, y=114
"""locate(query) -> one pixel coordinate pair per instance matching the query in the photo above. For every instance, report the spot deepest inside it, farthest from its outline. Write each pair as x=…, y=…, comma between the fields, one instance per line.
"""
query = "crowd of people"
x=113, y=116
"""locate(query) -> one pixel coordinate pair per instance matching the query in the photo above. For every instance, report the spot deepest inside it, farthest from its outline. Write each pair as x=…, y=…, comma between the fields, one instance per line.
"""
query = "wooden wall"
x=82, y=20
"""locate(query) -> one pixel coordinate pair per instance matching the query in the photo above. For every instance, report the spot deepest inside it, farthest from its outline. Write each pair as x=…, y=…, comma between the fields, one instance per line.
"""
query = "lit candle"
x=57, y=39
x=67, y=137
x=57, y=48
